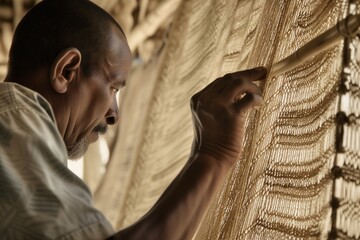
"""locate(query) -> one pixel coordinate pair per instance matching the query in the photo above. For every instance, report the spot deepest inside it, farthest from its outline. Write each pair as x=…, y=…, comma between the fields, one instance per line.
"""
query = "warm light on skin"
x=98, y=94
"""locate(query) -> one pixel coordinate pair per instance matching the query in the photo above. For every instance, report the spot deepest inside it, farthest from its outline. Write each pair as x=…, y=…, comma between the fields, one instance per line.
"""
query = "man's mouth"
x=98, y=130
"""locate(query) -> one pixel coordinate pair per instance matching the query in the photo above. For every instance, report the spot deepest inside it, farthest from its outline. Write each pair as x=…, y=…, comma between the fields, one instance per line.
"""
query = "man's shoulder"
x=45, y=199
x=14, y=96
x=26, y=119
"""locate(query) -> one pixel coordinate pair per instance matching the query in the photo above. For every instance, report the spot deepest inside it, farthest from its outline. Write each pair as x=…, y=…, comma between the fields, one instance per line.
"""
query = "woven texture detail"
x=299, y=173
x=282, y=186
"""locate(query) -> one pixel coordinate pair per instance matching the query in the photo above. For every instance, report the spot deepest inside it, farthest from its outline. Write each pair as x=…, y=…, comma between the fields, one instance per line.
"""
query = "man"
x=67, y=61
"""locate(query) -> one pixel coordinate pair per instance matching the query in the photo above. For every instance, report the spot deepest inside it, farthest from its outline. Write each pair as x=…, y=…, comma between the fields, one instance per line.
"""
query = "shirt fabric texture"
x=40, y=198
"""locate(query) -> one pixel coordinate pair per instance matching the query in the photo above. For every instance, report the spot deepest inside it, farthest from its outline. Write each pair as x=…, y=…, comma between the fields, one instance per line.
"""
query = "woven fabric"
x=298, y=174
x=282, y=186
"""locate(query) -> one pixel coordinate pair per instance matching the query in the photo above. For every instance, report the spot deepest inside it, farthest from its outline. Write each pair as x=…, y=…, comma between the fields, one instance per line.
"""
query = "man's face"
x=93, y=98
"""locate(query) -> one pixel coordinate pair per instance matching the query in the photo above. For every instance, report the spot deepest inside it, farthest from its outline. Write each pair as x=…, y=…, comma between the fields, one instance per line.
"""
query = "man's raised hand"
x=219, y=113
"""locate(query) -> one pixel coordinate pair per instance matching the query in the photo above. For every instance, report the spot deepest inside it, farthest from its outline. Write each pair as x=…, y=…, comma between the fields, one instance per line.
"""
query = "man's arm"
x=219, y=116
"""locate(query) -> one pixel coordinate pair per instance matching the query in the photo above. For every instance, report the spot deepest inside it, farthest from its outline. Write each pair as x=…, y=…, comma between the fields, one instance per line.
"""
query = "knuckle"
x=197, y=101
x=194, y=100
x=195, y=97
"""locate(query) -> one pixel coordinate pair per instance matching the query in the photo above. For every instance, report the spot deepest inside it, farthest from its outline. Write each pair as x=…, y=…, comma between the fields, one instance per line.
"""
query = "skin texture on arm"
x=218, y=115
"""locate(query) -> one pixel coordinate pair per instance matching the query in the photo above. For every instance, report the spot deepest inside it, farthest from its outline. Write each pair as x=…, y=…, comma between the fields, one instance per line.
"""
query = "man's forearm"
x=178, y=212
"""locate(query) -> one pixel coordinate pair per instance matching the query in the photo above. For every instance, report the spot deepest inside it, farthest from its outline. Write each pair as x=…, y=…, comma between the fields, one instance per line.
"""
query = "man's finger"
x=233, y=84
x=238, y=87
x=250, y=100
x=237, y=83
x=258, y=73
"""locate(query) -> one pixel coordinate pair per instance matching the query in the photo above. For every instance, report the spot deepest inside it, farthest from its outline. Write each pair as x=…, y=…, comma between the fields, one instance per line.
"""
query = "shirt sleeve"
x=39, y=197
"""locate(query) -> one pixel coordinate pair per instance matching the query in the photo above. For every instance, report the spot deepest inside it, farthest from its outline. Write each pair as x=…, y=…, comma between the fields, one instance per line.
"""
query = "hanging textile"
x=297, y=177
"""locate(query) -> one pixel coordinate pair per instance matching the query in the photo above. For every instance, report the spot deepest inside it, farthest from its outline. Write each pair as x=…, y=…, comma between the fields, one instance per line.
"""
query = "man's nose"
x=112, y=115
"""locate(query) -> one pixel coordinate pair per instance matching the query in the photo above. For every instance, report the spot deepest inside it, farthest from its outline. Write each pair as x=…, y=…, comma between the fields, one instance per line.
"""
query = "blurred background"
x=145, y=23
x=298, y=176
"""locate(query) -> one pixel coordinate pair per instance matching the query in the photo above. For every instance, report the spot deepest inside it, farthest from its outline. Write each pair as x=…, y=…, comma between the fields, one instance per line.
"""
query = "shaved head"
x=54, y=25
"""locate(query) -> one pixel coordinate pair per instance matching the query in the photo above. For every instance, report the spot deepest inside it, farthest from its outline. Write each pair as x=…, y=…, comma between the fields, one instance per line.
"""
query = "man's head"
x=75, y=55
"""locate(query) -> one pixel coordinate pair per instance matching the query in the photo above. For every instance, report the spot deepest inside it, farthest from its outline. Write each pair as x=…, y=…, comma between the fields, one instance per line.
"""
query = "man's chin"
x=77, y=150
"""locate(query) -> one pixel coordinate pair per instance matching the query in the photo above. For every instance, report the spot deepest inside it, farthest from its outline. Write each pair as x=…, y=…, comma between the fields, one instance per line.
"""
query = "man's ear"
x=64, y=69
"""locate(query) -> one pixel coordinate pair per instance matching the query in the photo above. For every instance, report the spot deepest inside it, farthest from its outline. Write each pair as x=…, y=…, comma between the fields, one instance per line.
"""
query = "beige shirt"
x=39, y=197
